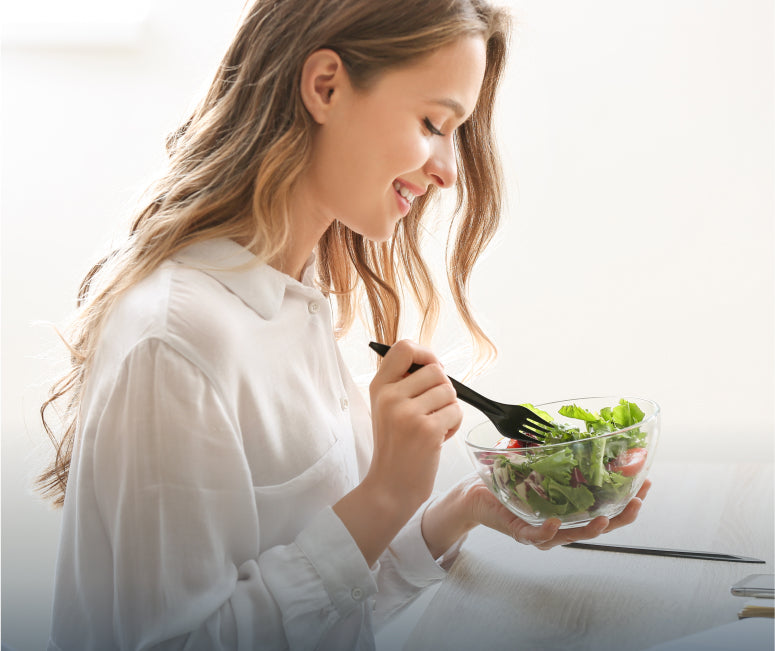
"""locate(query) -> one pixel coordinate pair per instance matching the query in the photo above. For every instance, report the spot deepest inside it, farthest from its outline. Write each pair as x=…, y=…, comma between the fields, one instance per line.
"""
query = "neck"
x=307, y=226
x=291, y=262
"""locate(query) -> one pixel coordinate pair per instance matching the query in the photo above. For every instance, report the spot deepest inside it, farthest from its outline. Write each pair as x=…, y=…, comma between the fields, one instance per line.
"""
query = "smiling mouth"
x=403, y=191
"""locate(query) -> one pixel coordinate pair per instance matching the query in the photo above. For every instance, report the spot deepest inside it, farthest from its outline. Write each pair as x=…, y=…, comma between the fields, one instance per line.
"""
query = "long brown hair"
x=234, y=163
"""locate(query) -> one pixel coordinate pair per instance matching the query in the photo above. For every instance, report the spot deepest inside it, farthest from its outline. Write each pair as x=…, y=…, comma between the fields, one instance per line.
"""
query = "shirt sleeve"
x=407, y=567
x=175, y=496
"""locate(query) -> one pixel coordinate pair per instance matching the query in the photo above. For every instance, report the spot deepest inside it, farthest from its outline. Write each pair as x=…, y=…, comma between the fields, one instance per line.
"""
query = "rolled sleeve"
x=331, y=550
x=411, y=557
x=407, y=568
x=323, y=586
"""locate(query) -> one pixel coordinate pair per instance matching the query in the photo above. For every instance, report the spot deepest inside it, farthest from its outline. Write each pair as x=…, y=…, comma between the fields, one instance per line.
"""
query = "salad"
x=581, y=476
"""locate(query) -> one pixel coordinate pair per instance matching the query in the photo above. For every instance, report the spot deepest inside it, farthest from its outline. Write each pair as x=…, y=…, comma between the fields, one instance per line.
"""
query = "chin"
x=377, y=234
x=385, y=236
x=381, y=237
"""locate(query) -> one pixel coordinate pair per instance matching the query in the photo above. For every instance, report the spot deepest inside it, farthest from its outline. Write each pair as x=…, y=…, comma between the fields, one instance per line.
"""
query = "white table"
x=502, y=595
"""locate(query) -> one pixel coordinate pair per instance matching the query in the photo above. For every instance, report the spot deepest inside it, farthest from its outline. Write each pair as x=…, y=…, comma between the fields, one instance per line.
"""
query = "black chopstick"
x=658, y=551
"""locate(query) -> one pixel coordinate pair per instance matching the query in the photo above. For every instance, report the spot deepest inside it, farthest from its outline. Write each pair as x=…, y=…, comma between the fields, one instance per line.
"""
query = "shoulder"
x=183, y=308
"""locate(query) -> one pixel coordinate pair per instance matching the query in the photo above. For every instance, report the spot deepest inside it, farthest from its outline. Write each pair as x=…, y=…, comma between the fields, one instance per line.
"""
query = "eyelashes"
x=431, y=128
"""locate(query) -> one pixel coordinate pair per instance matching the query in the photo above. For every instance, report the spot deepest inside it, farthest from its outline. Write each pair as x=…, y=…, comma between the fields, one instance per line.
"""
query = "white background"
x=636, y=255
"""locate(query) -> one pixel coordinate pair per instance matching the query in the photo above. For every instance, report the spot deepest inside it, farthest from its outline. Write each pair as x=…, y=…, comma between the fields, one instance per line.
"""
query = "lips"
x=414, y=190
x=405, y=194
x=404, y=191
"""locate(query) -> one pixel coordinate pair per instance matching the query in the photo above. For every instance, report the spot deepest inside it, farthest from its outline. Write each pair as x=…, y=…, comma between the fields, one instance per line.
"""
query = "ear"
x=323, y=79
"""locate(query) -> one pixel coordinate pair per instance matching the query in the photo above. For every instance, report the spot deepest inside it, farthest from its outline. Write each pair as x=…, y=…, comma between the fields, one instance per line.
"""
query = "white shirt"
x=218, y=427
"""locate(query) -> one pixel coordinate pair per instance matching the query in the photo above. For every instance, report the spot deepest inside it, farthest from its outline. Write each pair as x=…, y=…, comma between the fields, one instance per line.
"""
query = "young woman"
x=226, y=486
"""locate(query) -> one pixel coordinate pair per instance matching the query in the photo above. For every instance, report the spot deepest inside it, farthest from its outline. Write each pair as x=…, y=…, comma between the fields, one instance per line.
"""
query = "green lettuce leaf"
x=626, y=414
x=572, y=411
x=539, y=412
x=545, y=507
x=558, y=466
x=591, y=459
x=615, y=445
x=578, y=498
x=614, y=487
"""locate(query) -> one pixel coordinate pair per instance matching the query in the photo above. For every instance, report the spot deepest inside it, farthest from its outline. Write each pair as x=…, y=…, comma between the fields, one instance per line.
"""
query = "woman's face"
x=380, y=148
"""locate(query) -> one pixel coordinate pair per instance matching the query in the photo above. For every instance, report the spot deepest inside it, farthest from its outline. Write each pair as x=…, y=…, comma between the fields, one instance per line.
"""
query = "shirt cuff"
x=331, y=550
x=411, y=556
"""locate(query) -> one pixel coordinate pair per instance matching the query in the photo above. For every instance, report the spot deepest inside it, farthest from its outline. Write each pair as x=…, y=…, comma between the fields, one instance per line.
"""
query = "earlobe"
x=321, y=79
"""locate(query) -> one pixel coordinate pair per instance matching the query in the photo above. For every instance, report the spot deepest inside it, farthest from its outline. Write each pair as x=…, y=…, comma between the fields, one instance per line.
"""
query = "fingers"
x=630, y=512
x=549, y=534
x=591, y=530
x=627, y=516
x=401, y=356
x=644, y=489
x=538, y=536
x=431, y=392
x=429, y=387
x=412, y=415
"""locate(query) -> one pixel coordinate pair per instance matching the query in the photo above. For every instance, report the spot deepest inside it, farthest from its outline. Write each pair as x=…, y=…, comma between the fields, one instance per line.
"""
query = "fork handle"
x=465, y=393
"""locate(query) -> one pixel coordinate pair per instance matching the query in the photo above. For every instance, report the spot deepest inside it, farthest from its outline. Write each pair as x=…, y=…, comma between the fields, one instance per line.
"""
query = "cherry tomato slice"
x=630, y=462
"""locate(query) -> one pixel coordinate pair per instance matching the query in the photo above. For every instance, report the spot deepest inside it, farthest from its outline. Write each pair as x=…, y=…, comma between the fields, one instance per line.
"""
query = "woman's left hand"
x=487, y=510
x=470, y=503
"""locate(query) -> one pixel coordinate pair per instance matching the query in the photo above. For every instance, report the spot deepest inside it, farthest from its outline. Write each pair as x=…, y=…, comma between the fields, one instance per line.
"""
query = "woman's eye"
x=431, y=128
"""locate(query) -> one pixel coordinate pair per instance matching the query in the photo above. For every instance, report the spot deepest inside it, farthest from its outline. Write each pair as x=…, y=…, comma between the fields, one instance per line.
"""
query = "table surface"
x=503, y=595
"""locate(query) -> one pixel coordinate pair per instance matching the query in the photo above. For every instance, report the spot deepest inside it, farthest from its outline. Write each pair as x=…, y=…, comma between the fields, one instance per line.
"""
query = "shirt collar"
x=259, y=285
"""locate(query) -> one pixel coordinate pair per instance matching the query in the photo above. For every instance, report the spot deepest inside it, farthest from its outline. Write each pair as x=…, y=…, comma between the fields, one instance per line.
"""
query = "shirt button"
x=345, y=403
x=357, y=594
x=313, y=307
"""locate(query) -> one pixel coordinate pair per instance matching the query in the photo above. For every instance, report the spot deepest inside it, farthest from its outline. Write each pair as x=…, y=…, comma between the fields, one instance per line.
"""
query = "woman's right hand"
x=412, y=415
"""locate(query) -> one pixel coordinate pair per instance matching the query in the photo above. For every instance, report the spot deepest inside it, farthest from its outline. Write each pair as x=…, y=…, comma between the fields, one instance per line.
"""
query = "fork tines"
x=530, y=435
x=535, y=429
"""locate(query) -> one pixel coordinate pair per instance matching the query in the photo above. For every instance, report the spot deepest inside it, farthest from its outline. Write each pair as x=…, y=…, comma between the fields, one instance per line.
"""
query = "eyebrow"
x=452, y=104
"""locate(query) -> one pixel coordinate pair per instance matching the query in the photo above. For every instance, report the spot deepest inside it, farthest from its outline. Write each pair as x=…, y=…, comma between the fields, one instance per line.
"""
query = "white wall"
x=636, y=255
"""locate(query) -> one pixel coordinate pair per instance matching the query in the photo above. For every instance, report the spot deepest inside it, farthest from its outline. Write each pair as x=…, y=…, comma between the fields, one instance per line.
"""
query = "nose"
x=442, y=163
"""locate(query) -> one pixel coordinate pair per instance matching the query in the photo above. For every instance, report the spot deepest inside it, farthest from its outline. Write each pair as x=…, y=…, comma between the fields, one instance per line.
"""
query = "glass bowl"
x=576, y=480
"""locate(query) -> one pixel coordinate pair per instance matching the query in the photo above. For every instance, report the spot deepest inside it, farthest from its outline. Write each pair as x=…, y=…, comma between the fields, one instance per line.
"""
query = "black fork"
x=513, y=421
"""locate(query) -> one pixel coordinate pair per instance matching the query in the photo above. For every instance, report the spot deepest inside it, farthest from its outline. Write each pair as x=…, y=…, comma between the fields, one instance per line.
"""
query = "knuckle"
x=427, y=427
x=404, y=347
x=437, y=373
x=385, y=397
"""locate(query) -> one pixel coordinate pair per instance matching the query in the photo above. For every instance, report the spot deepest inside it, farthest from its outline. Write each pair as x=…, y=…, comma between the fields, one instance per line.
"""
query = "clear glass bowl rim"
x=566, y=443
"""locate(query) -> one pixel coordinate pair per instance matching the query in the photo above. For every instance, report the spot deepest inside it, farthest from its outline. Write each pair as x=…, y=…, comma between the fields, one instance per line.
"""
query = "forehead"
x=450, y=77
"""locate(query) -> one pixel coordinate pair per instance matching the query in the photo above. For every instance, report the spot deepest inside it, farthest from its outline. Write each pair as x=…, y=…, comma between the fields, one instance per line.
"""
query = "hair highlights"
x=234, y=163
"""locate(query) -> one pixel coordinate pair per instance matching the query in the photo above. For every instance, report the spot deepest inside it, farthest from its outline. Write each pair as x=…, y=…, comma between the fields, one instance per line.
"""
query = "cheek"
x=374, y=148
x=416, y=150
x=404, y=154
